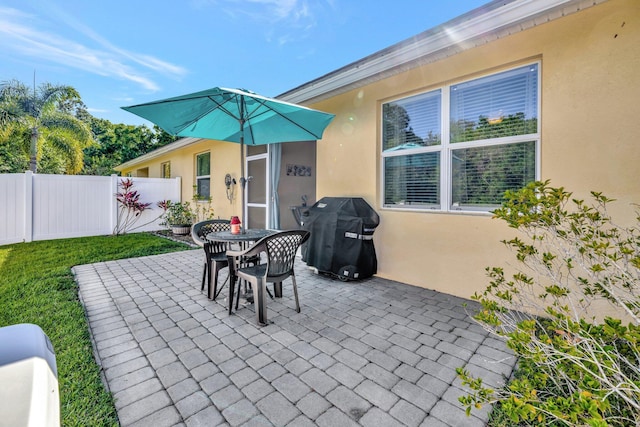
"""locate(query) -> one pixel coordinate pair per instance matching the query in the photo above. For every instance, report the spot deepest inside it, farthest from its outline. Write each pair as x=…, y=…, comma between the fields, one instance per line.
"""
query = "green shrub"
x=574, y=368
x=176, y=213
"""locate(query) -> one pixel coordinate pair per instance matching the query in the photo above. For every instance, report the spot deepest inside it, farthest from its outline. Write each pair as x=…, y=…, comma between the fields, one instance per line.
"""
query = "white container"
x=28, y=378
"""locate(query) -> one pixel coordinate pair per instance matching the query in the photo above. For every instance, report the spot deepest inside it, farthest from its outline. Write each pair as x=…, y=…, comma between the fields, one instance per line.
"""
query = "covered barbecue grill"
x=341, y=241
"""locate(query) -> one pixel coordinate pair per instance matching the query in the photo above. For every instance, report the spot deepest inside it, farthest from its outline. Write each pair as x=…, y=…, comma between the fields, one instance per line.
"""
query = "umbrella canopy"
x=234, y=115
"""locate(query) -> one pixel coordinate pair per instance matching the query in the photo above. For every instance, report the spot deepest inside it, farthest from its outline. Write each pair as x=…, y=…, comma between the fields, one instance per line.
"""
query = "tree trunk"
x=33, y=161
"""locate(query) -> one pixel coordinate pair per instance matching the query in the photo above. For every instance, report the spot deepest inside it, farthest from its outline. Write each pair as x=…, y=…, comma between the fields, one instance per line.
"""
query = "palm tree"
x=39, y=121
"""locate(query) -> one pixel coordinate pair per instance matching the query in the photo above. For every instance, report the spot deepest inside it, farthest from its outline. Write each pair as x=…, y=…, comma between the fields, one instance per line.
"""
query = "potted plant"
x=177, y=216
x=202, y=208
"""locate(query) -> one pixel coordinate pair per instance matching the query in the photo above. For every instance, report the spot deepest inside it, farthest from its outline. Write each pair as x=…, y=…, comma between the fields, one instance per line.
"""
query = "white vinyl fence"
x=44, y=207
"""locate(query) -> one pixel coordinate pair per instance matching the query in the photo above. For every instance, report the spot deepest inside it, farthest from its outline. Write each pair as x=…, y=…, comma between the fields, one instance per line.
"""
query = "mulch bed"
x=167, y=234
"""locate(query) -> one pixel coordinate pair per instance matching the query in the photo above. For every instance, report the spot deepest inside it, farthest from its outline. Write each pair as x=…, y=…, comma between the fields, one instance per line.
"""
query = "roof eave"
x=180, y=143
x=492, y=21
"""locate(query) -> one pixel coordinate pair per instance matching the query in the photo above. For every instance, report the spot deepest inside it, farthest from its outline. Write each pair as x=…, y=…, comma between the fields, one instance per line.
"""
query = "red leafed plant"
x=130, y=208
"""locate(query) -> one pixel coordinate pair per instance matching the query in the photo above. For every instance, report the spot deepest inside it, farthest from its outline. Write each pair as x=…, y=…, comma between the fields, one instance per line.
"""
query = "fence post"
x=28, y=206
x=178, y=188
x=114, y=203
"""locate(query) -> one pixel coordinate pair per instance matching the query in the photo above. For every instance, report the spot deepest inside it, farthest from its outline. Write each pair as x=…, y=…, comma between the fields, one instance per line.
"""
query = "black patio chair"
x=280, y=253
x=215, y=253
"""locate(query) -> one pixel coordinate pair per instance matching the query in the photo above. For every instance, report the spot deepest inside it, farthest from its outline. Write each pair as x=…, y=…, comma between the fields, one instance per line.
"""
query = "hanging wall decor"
x=298, y=170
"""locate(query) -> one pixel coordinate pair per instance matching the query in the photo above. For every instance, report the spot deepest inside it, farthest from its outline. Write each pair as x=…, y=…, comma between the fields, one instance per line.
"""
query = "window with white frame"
x=460, y=147
x=165, y=170
x=203, y=175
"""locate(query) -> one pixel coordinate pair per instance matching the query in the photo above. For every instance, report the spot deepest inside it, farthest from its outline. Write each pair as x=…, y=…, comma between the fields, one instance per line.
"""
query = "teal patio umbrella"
x=234, y=115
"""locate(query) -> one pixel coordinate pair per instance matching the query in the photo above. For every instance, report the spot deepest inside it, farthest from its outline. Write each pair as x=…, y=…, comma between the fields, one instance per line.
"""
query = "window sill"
x=436, y=211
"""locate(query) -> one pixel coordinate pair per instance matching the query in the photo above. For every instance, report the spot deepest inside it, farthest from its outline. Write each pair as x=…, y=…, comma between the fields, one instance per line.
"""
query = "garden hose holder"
x=230, y=183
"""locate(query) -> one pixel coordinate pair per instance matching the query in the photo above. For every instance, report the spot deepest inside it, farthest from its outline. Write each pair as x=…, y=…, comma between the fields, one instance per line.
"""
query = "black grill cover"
x=341, y=240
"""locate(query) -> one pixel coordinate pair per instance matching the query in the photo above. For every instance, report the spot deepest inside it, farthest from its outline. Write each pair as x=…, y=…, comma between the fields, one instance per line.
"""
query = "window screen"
x=412, y=179
x=203, y=171
x=481, y=175
x=489, y=143
x=504, y=104
x=412, y=122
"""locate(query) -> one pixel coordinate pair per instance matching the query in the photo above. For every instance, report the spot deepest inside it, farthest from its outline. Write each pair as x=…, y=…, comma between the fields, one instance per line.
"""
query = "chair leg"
x=259, y=301
x=216, y=290
x=295, y=292
x=213, y=286
x=238, y=294
x=277, y=289
x=213, y=291
x=232, y=286
x=204, y=275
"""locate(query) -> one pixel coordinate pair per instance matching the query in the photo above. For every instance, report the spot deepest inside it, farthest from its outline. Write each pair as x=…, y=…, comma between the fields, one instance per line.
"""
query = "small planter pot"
x=181, y=229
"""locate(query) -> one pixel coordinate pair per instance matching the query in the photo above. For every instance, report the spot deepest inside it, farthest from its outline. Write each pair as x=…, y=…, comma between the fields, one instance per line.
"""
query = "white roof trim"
x=183, y=142
x=494, y=20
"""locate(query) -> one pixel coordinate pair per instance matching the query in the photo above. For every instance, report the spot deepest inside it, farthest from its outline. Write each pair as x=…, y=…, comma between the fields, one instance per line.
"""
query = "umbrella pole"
x=243, y=184
x=243, y=180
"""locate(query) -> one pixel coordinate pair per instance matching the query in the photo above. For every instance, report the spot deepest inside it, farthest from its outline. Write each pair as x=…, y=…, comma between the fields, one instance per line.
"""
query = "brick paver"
x=369, y=353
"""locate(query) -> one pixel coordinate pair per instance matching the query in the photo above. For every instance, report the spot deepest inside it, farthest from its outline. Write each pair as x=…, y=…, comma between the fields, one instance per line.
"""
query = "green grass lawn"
x=37, y=286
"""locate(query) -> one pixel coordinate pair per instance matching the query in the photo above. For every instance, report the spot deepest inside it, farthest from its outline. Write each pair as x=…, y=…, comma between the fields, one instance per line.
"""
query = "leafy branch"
x=574, y=368
x=130, y=208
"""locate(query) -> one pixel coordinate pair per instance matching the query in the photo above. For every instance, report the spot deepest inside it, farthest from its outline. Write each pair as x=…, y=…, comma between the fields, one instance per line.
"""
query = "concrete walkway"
x=370, y=353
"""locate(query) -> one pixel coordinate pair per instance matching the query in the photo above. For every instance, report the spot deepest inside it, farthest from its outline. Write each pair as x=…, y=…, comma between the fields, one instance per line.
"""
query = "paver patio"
x=369, y=353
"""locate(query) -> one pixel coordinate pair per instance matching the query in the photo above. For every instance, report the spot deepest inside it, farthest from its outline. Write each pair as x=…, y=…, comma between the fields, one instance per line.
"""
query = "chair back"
x=200, y=230
x=281, y=250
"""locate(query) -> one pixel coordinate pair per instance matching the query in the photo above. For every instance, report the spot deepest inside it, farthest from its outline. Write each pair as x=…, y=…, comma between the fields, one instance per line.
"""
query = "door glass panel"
x=257, y=188
x=253, y=150
x=256, y=217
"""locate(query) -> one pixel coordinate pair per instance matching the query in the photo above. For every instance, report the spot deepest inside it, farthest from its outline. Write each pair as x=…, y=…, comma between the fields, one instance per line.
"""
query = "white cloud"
x=282, y=16
x=262, y=10
x=97, y=110
x=19, y=35
x=146, y=61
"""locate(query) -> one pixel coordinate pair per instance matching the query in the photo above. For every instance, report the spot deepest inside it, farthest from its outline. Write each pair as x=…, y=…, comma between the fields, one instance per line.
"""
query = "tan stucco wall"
x=590, y=92
x=590, y=118
x=292, y=188
x=225, y=158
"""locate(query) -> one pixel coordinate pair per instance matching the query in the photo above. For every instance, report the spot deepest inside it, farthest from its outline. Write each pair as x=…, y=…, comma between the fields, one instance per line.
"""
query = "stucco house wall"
x=225, y=158
x=589, y=96
x=590, y=87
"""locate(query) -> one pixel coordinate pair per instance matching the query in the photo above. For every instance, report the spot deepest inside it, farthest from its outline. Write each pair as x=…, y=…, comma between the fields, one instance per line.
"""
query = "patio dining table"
x=249, y=236
x=244, y=240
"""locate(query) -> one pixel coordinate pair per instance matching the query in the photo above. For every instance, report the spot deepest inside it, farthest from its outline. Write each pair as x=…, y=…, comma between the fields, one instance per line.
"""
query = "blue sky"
x=125, y=52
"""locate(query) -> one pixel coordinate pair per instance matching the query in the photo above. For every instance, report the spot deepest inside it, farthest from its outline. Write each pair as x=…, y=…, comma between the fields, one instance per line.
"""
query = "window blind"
x=481, y=175
x=504, y=104
x=412, y=121
x=412, y=179
x=497, y=118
